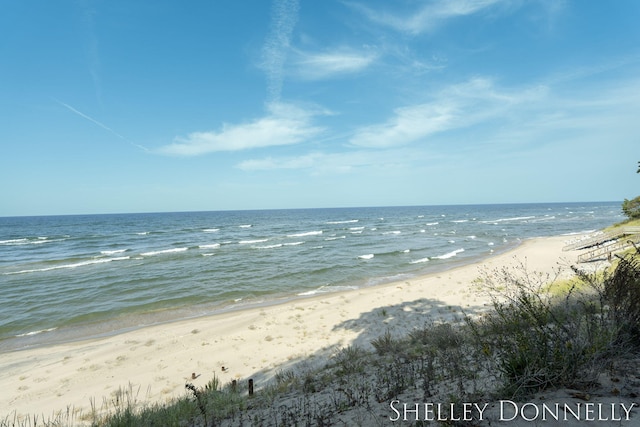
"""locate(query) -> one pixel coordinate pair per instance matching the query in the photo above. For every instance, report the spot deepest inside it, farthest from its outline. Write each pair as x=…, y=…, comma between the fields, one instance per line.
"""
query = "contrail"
x=102, y=125
x=274, y=51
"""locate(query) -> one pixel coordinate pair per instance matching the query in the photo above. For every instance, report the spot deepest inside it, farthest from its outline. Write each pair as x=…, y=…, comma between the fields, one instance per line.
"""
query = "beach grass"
x=535, y=339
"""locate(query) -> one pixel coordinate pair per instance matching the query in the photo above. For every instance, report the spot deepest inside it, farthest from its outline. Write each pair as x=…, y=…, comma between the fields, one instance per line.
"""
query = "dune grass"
x=535, y=338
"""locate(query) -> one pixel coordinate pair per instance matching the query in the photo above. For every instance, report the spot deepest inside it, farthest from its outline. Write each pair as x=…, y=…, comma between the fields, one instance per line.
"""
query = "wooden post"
x=251, y=387
x=234, y=384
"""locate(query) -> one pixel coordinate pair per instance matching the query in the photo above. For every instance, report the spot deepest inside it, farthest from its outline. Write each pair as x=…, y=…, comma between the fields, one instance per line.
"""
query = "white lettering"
x=416, y=410
x=428, y=409
x=529, y=405
x=393, y=408
x=624, y=408
x=568, y=409
x=515, y=410
x=480, y=411
x=546, y=410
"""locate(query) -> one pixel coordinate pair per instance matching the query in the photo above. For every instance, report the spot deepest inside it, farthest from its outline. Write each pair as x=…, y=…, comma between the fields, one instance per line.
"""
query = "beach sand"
x=156, y=362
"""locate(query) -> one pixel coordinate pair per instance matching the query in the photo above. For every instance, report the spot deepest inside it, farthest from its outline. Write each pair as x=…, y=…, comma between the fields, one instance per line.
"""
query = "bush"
x=536, y=341
x=631, y=208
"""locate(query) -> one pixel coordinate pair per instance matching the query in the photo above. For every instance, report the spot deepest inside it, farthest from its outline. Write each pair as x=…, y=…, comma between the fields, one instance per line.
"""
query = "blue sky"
x=146, y=106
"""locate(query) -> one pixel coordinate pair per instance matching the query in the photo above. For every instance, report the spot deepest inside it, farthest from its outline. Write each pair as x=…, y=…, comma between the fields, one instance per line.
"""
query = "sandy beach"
x=256, y=342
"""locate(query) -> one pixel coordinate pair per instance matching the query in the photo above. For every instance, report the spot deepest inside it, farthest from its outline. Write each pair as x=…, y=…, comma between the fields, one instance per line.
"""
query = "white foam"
x=336, y=238
x=419, y=261
x=28, y=334
x=164, y=251
x=367, y=256
x=116, y=251
x=14, y=241
x=349, y=221
x=517, y=218
x=251, y=242
x=326, y=289
x=211, y=246
x=458, y=221
x=450, y=254
x=278, y=245
x=25, y=241
x=308, y=233
x=245, y=226
x=356, y=228
x=211, y=230
x=74, y=265
x=392, y=232
x=432, y=223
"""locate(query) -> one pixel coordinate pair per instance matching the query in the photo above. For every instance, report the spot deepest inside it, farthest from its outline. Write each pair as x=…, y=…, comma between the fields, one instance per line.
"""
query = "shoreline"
x=84, y=332
x=250, y=342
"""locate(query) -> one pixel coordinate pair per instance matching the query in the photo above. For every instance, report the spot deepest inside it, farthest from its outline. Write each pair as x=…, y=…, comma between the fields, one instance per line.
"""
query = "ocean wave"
x=25, y=241
x=517, y=218
x=308, y=233
x=164, y=251
x=245, y=226
x=356, y=228
x=74, y=265
x=28, y=334
x=294, y=243
x=419, y=261
x=432, y=223
x=335, y=238
x=449, y=254
x=113, y=252
x=326, y=289
x=460, y=221
x=367, y=256
x=392, y=232
x=211, y=246
x=349, y=221
x=210, y=230
x=278, y=245
x=251, y=242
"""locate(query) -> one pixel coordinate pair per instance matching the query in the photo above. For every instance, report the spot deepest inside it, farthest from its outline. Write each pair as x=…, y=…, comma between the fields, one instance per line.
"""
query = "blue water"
x=69, y=277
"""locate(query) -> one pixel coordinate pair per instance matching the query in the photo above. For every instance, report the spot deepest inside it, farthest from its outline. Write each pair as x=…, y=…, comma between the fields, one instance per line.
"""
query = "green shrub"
x=631, y=208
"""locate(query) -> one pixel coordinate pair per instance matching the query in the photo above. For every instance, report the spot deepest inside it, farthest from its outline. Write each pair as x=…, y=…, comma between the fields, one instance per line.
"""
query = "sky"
x=152, y=106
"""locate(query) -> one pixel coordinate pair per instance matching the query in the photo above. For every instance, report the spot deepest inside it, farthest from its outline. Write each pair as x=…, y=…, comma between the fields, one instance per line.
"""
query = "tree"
x=631, y=208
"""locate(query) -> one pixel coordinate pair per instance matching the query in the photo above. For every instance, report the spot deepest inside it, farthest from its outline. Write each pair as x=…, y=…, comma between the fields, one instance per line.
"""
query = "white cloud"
x=455, y=107
x=276, y=47
x=315, y=66
x=285, y=125
x=428, y=17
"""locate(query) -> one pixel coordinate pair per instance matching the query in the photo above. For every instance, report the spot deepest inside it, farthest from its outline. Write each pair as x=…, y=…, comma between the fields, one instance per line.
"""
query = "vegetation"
x=631, y=208
x=535, y=338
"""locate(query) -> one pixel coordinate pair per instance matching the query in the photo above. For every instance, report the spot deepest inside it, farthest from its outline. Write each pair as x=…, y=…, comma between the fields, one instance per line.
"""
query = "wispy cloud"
x=341, y=61
x=93, y=56
x=349, y=161
x=428, y=17
x=455, y=107
x=284, y=125
x=276, y=48
x=102, y=125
